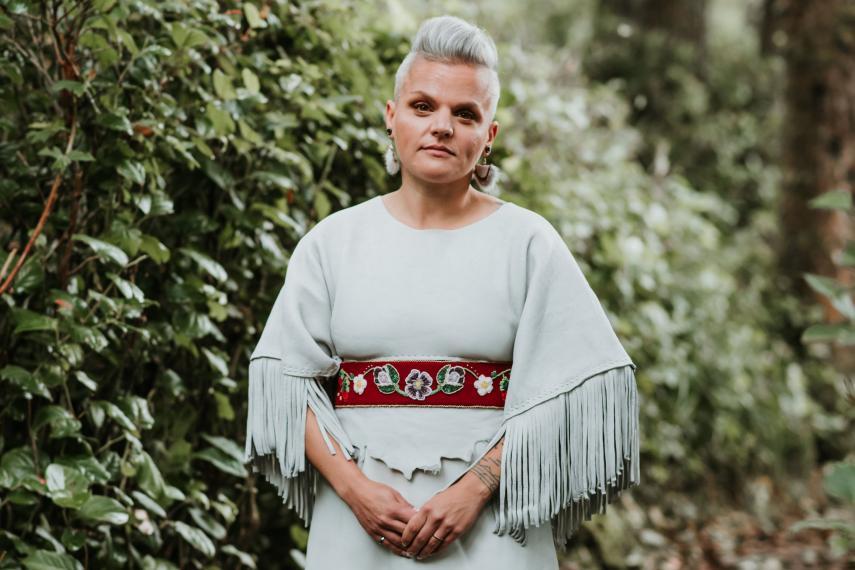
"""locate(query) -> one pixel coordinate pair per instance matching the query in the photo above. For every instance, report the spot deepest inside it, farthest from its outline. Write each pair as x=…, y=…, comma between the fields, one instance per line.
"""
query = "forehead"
x=448, y=81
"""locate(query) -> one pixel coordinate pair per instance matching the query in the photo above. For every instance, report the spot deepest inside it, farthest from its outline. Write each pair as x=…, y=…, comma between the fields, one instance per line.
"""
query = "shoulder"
x=336, y=225
x=527, y=219
x=530, y=228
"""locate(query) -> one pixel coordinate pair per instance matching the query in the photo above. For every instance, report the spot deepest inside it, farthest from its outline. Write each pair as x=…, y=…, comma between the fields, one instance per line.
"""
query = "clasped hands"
x=415, y=533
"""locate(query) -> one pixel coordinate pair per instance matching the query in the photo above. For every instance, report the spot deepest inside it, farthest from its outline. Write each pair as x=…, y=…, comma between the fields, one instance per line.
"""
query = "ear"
x=492, y=131
x=390, y=113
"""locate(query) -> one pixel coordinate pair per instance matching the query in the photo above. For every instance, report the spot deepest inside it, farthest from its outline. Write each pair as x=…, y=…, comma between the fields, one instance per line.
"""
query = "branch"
x=54, y=191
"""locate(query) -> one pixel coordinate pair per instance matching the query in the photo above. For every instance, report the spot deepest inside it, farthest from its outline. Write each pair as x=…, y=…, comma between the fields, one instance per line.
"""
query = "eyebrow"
x=465, y=105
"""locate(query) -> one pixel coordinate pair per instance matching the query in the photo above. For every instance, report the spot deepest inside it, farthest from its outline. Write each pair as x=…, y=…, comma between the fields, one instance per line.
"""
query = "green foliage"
x=191, y=145
x=713, y=378
x=709, y=112
x=837, y=294
x=656, y=165
x=839, y=479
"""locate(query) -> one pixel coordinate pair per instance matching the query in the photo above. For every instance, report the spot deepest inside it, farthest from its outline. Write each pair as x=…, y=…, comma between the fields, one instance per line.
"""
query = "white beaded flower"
x=359, y=383
x=383, y=378
x=484, y=384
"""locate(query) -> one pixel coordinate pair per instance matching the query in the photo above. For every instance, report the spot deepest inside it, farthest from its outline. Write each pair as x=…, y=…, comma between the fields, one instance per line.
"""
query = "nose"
x=442, y=125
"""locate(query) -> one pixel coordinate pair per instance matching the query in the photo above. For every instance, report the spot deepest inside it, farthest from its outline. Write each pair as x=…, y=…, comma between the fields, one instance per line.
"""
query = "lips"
x=439, y=148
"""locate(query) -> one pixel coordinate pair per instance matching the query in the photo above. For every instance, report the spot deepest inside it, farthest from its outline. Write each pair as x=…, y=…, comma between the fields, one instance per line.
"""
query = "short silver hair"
x=449, y=39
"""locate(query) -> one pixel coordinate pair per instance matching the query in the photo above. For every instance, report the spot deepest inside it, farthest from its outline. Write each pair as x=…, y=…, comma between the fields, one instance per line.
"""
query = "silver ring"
x=380, y=541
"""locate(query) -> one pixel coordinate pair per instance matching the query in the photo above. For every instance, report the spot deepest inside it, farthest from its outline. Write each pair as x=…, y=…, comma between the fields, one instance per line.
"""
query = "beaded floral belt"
x=443, y=383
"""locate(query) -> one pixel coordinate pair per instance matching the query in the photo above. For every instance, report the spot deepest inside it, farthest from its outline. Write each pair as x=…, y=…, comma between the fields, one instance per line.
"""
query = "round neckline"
x=387, y=214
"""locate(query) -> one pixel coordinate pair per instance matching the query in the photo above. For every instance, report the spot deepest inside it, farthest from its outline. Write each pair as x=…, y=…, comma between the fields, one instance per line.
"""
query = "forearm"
x=340, y=472
x=484, y=477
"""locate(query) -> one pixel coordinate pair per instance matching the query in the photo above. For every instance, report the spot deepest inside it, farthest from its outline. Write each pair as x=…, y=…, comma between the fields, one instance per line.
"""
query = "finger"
x=392, y=543
x=436, y=540
x=404, y=513
x=442, y=547
x=424, y=536
x=393, y=525
x=429, y=548
x=412, y=528
x=449, y=539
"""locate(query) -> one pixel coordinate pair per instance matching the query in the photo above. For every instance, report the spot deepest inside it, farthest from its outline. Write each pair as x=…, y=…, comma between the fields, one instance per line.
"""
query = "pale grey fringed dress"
x=362, y=285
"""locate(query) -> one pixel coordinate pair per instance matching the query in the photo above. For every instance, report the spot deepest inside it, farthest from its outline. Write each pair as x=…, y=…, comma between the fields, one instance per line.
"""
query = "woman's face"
x=441, y=104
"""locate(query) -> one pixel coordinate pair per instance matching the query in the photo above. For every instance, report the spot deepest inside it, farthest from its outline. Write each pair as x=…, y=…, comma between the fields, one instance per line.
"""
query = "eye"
x=420, y=104
x=469, y=115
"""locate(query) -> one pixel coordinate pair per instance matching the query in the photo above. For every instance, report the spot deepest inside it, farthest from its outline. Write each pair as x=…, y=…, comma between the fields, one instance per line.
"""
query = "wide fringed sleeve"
x=570, y=424
x=294, y=354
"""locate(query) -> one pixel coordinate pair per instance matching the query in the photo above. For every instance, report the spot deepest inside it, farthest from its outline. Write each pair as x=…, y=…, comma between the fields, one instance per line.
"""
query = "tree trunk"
x=818, y=140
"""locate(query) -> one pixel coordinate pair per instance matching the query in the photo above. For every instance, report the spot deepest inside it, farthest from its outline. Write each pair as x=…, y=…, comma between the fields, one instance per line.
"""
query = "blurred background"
x=159, y=160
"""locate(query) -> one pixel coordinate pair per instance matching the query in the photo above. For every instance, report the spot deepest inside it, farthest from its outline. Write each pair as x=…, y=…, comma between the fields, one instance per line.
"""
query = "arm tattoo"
x=489, y=476
x=489, y=469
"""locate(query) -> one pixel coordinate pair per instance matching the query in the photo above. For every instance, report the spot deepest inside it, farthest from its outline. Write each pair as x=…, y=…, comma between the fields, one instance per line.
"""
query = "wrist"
x=476, y=487
x=348, y=485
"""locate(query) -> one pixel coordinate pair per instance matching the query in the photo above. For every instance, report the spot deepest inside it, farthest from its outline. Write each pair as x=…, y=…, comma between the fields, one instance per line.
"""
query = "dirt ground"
x=681, y=535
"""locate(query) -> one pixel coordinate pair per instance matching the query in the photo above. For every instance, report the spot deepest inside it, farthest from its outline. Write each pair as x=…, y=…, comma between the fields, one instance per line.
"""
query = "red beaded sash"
x=443, y=383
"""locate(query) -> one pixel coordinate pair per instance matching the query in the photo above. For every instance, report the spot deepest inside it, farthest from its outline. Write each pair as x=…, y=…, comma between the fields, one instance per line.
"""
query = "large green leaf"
x=89, y=466
x=252, y=16
x=17, y=469
x=103, y=249
x=208, y=523
x=67, y=487
x=835, y=200
x=196, y=538
x=213, y=268
x=150, y=478
x=244, y=558
x=839, y=481
x=132, y=170
x=226, y=445
x=148, y=503
x=28, y=321
x=155, y=249
x=22, y=378
x=114, y=412
x=104, y=509
x=45, y=560
x=222, y=461
x=61, y=421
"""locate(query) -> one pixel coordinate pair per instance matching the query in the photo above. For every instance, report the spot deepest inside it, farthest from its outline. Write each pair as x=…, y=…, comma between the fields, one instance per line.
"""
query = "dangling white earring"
x=485, y=175
x=392, y=164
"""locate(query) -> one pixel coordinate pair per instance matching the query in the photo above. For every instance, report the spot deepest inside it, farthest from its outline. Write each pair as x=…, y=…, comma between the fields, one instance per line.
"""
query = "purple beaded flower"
x=418, y=384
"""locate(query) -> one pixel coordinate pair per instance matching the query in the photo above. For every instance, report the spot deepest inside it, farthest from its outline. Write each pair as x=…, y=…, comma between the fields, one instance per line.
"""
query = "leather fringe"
x=567, y=458
x=276, y=432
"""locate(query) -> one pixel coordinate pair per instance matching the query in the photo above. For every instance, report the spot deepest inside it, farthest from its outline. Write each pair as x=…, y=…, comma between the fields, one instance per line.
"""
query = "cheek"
x=473, y=147
x=406, y=133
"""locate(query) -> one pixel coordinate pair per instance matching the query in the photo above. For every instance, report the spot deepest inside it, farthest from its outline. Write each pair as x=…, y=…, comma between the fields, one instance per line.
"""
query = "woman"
x=452, y=325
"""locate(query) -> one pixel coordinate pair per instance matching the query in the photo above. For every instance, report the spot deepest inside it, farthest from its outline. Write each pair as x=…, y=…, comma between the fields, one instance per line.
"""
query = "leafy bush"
x=174, y=152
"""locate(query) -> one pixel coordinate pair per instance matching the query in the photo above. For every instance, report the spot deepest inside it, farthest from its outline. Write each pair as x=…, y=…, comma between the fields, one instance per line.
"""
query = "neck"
x=427, y=201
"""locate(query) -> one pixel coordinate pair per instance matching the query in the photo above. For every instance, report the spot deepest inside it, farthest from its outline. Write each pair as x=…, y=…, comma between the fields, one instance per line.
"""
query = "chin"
x=436, y=177
x=436, y=173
